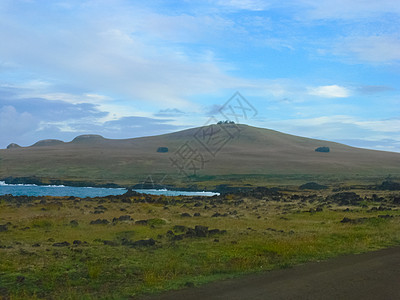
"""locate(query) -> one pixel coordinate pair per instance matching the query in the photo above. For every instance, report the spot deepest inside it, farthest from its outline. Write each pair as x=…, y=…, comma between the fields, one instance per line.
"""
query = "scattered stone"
x=141, y=222
x=354, y=221
x=74, y=223
x=198, y=231
x=185, y=215
x=201, y=231
x=62, y=244
x=143, y=243
x=51, y=240
x=179, y=228
x=3, y=228
x=196, y=214
x=389, y=185
x=25, y=252
x=99, y=222
x=214, y=231
x=396, y=200
x=126, y=242
x=101, y=207
x=110, y=243
x=36, y=245
x=77, y=242
x=126, y=200
x=385, y=216
x=190, y=232
x=122, y=218
x=345, y=198
x=178, y=237
x=380, y=208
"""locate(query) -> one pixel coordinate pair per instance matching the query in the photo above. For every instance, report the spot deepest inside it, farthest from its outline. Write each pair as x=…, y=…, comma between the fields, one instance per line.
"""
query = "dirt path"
x=374, y=275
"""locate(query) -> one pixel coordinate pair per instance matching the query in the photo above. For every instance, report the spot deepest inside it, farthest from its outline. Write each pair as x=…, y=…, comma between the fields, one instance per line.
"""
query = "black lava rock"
x=99, y=222
x=62, y=244
x=143, y=243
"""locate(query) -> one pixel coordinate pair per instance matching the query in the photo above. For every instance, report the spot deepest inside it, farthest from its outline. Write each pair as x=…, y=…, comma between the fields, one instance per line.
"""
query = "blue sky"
x=327, y=69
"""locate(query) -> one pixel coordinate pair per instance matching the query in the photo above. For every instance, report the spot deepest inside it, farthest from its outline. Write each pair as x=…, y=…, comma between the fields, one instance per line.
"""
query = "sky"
x=325, y=69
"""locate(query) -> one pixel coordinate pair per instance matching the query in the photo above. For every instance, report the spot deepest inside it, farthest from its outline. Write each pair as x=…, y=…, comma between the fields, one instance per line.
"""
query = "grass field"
x=49, y=249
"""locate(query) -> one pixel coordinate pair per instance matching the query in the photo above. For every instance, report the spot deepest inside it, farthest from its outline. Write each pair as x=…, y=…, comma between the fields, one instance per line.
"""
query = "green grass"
x=261, y=235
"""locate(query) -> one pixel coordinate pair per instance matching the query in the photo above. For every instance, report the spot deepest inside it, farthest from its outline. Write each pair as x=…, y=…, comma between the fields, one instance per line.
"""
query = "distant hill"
x=238, y=153
x=47, y=143
x=13, y=146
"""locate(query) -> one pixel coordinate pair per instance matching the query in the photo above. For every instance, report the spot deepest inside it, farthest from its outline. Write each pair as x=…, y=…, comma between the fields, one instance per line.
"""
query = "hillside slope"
x=217, y=151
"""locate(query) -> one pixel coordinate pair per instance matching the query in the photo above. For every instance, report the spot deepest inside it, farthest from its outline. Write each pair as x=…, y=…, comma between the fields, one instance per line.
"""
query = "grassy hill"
x=234, y=154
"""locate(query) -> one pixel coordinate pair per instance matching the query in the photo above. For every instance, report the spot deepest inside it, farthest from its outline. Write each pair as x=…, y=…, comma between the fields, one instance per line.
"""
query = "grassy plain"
x=257, y=232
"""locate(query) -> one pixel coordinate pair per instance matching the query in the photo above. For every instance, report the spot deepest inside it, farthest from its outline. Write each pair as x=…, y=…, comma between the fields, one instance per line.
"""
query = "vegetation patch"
x=142, y=244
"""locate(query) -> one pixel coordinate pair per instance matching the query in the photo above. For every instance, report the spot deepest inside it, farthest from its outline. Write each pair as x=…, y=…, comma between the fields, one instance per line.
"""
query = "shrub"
x=322, y=149
x=162, y=149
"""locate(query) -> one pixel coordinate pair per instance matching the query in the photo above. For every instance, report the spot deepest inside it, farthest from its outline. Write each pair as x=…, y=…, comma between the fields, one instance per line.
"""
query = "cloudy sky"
x=326, y=69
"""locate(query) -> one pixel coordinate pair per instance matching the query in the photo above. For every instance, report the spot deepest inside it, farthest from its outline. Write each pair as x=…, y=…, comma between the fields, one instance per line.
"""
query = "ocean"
x=83, y=192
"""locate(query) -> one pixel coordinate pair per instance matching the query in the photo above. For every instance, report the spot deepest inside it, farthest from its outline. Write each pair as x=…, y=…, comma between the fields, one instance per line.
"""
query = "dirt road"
x=373, y=275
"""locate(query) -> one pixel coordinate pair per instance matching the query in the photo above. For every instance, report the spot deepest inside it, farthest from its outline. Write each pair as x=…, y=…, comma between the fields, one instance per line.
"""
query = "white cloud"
x=329, y=91
x=13, y=124
x=391, y=125
x=254, y=5
x=344, y=9
x=137, y=56
x=374, y=49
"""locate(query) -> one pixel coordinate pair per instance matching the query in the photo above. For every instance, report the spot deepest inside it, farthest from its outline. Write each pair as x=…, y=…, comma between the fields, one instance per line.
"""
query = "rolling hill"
x=207, y=155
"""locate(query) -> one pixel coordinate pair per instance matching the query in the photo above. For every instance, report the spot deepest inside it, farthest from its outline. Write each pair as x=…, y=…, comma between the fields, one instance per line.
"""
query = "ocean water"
x=175, y=193
x=82, y=192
